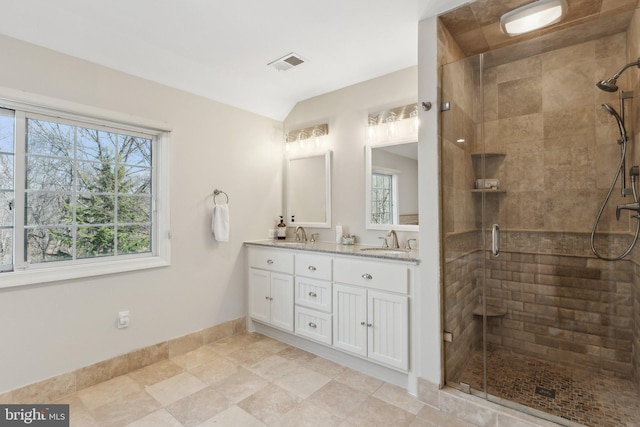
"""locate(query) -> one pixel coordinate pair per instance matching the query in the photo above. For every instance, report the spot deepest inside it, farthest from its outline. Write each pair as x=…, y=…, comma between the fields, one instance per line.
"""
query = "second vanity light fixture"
x=533, y=16
x=397, y=123
x=312, y=136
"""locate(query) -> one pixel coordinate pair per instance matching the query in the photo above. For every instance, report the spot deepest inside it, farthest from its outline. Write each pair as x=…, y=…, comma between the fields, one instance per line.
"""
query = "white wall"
x=54, y=328
x=346, y=111
x=429, y=295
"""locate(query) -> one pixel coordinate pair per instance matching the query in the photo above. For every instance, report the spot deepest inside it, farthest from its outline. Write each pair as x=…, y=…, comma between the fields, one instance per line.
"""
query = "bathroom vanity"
x=350, y=304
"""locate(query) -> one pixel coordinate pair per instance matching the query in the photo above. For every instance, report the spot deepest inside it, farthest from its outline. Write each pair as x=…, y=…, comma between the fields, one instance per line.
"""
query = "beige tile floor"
x=249, y=380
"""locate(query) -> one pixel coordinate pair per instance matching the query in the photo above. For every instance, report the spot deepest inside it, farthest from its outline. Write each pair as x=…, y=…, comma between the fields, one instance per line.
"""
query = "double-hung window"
x=79, y=195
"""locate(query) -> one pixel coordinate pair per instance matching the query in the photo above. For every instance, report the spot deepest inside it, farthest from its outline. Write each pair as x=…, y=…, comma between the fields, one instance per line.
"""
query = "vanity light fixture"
x=393, y=124
x=302, y=137
x=533, y=16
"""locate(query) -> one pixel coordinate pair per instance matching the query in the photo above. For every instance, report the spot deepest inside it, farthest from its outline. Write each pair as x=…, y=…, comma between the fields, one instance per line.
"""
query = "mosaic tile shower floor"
x=581, y=396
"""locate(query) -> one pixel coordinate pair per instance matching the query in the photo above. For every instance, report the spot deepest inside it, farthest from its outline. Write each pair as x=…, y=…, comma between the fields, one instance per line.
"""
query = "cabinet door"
x=282, y=301
x=349, y=323
x=259, y=294
x=388, y=320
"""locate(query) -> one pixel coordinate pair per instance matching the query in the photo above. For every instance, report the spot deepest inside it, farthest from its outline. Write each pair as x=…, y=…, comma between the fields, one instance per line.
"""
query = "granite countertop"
x=336, y=248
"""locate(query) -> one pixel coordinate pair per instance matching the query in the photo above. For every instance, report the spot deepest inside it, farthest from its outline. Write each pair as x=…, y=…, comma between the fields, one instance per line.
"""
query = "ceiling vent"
x=286, y=62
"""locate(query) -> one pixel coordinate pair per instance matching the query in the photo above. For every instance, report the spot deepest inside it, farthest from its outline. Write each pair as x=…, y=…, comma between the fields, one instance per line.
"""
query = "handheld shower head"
x=610, y=85
x=623, y=132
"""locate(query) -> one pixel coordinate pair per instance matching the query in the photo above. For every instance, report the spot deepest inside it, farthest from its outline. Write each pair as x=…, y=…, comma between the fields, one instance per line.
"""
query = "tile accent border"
x=68, y=383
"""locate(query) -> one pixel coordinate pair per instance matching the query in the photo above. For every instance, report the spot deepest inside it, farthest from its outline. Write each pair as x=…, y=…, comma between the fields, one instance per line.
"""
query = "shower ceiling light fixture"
x=533, y=16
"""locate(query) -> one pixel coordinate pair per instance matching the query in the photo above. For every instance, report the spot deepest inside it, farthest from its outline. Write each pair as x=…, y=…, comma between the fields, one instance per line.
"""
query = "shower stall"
x=541, y=278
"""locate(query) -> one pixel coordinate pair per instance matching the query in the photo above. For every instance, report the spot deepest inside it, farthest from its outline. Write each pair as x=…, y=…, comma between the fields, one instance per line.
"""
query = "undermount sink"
x=385, y=251
x=288, y=243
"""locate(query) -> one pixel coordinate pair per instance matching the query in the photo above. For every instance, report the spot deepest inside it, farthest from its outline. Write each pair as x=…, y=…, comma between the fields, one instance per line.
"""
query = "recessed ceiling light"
x=286, y=62
x=533, y=16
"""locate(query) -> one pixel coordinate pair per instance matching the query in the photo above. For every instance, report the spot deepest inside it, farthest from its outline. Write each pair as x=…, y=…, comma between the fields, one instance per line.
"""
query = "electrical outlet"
x=123, y=319
x=272, y=233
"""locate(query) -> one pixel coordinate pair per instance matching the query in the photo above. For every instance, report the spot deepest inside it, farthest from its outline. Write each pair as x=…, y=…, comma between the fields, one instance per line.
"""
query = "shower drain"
x=546, y=392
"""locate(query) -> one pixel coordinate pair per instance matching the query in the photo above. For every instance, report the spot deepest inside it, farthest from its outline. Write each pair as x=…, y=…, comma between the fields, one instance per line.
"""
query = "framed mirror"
x=392, y=186
x=309, y=190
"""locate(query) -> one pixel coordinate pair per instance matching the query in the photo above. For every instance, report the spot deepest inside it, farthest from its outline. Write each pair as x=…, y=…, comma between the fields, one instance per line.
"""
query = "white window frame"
x=59, y=271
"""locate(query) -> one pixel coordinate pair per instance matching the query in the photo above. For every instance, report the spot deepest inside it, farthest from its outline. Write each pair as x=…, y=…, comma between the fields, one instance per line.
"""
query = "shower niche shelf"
x=491, y=311
x=479, y=155
x=487, y=190
x=492, y=163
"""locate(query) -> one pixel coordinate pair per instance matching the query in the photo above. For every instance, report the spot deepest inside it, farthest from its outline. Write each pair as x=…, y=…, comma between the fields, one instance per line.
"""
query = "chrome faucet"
x=301, y=235
x=630, y=207
x=394, y=239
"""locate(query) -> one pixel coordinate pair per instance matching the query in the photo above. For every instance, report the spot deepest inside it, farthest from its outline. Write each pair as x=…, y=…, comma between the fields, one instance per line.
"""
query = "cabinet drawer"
x=315, y=266
x=271, y=259
x=314, y=325
x=380, y=275
x=313, y=293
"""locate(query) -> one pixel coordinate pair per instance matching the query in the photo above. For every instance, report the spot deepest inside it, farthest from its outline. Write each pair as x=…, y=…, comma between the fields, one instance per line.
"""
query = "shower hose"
x=604, y=204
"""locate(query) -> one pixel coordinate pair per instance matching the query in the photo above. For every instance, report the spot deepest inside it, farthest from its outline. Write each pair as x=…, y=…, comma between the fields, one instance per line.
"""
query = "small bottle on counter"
x=282, y=229
x=338, y=234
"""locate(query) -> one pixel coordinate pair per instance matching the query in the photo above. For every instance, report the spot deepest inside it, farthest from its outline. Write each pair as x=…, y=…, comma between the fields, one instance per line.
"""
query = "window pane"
x=48, y=209
x=6, y=172
x=6, y=208
x=135, y=150
x=97, y=209
x=48, y=244
x=6, y=133
x=134, y=180
x=95, y=241
x=96, y=177
x=50, y=139
x=134, y=239
x=96, y=145
x=134, y=209
x=6, y=247
x=45, y=173
x=381, y=202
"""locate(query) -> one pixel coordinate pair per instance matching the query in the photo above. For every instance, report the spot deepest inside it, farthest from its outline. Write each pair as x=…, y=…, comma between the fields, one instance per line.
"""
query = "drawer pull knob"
x=369, y=325
x=269, y=261
x=266, y=298
x=367, y=276
x=362, y=323
x=312, y=325
x=313, y=294
x=312, y=268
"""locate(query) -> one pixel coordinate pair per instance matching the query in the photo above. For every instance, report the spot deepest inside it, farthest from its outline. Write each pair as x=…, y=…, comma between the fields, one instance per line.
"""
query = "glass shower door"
x=464, y=198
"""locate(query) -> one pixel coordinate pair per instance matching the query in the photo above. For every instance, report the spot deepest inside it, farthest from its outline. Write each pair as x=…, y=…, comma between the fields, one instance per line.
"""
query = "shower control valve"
x=630, y=207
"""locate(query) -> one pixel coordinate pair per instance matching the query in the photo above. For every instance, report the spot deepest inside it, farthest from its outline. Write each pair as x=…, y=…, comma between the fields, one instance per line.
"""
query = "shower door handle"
x=495, y=240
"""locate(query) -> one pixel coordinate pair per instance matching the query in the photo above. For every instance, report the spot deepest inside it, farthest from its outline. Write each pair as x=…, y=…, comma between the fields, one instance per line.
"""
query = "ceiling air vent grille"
x=286, y=62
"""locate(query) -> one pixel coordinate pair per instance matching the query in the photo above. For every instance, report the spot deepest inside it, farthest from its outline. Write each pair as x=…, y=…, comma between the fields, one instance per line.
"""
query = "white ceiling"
x=220, y=50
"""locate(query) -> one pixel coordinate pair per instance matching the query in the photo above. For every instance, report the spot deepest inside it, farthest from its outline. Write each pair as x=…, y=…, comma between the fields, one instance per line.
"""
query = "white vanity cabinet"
x=271, y=287
x=313, y=297
x=335, y=302
x=371, y=314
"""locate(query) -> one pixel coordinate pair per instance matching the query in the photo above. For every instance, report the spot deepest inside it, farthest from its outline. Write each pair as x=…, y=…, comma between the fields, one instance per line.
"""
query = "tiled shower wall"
x=560, y=154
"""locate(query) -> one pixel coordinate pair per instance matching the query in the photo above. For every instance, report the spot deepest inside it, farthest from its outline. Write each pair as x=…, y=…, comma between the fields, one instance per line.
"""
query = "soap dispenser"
x=282, y=229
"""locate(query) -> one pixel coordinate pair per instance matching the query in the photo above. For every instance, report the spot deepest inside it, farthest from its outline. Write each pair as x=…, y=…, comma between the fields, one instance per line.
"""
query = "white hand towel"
x=220, y=222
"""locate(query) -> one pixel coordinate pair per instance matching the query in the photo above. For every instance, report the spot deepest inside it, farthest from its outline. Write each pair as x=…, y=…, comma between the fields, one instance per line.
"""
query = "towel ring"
x=217, y=192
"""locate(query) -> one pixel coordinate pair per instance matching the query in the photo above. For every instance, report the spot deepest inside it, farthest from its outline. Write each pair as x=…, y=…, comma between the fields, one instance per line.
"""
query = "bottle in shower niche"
x=282, y=229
